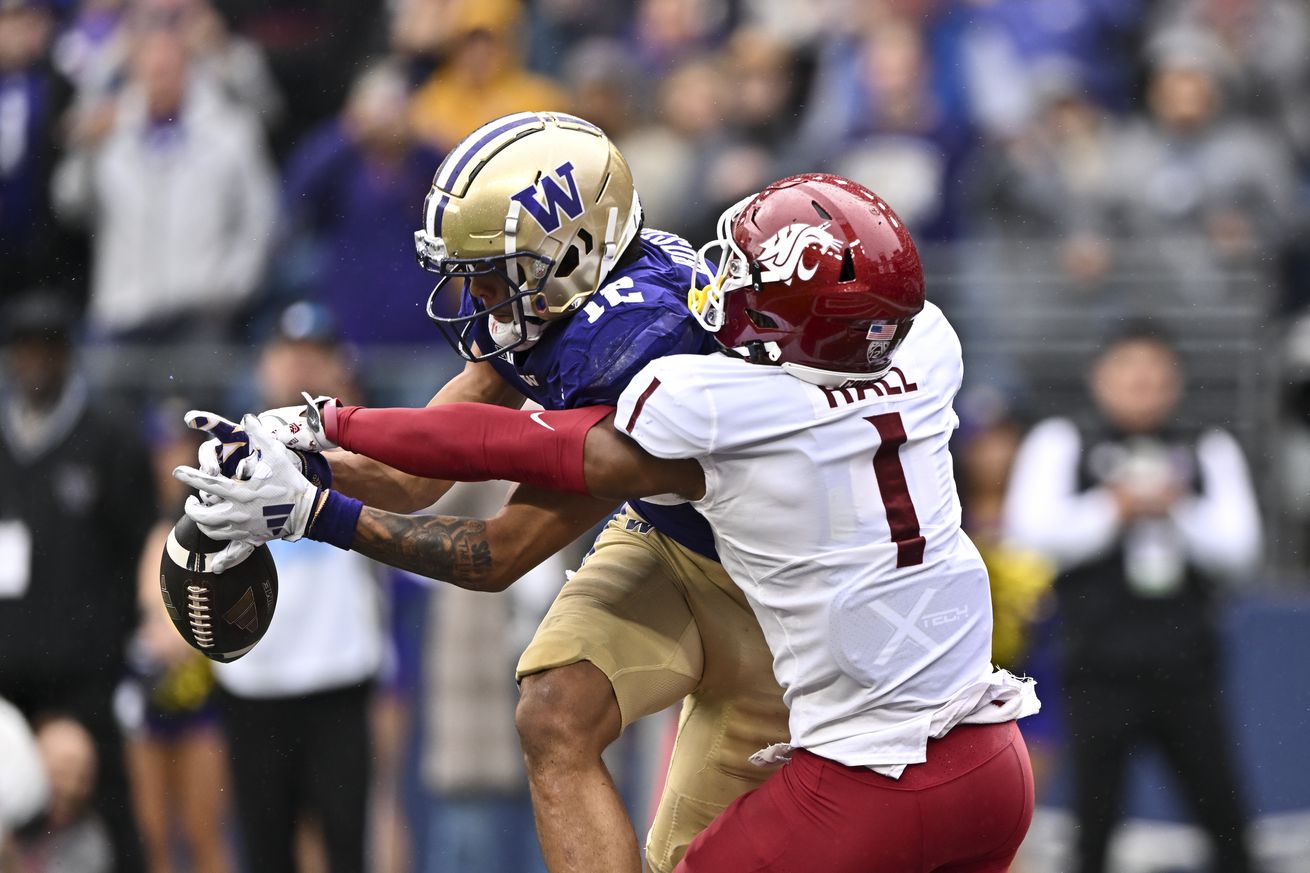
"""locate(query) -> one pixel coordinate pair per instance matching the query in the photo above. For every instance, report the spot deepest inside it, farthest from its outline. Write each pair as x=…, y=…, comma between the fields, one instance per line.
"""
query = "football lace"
x=198, y=613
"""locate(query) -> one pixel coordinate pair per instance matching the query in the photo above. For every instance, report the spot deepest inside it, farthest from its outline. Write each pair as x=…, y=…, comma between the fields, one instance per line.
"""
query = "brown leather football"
x=222, y=615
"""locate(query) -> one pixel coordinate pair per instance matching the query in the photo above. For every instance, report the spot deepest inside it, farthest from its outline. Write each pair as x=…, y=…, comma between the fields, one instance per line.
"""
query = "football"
x=221, y=615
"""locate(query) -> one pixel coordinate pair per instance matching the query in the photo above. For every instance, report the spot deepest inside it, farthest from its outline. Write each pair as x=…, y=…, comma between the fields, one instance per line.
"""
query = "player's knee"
x=566, y=710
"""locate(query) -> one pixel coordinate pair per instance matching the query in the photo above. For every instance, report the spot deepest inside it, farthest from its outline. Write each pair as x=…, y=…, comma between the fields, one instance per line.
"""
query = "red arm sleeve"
x=473, y=442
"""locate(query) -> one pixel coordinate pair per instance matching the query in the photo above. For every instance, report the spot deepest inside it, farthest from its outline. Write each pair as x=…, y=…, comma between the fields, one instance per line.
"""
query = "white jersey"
x=836, y=512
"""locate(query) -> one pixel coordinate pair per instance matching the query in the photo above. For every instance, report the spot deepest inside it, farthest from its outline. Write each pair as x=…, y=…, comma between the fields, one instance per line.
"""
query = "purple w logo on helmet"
x=547, y=214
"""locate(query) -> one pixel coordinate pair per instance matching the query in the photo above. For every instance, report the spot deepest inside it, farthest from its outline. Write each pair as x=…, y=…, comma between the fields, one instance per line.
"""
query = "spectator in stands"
x=418, y=31
x=95, y=50
x=93, y=47
x=24, y=785
x=1267, y=42
x=296, y=707
x=177, y=189
x=350, y=195
x=1051, y=180
x=670, y=157
x=1007, y=47
x=556, y=26
x=667, y=33
x=757, y=79
x=762, y=84
x=1192, y=170
x=74, y=512
x=605, y=86
x=32, y=97
x=68, y=836
x=1145, y=517
x=480, y=815
x=314, y=48
x=778, y=18
x=1293, y=459
x=1020, y=579
x=902, y=138
x=235, y=63
x=482, y=79
x=721, y=127
x=176, y=751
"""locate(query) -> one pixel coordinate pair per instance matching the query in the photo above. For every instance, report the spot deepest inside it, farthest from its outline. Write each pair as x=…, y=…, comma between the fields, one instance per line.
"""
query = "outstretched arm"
x=535, y=523
x=475, y=554
x=575, y=450
x=471, y=553
x=378, y=484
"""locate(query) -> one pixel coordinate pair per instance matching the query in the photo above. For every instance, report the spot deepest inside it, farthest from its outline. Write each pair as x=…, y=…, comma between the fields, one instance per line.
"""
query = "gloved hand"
x=224, y=455
x=227, y=453
x=272, y=500
x=302, y=428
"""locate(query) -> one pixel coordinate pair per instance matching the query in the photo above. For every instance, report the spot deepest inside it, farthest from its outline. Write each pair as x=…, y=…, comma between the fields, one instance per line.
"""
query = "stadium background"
x=1065, y=165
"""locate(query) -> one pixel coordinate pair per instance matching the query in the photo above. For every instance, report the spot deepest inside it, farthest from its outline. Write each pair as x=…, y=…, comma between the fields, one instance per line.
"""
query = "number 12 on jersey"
x=890, y=474
x=613, y=294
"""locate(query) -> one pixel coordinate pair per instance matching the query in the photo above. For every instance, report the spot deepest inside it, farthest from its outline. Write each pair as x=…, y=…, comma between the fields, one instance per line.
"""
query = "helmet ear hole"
x=587, y=242
x=847, y=267
x=761, y=320
x=568, y=263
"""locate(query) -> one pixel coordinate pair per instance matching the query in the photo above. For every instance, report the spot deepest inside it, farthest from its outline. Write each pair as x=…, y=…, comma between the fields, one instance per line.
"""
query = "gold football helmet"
x=540, y=200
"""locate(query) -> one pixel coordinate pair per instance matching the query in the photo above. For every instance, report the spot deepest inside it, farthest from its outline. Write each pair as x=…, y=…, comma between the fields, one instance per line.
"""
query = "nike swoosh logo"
x=536, y=416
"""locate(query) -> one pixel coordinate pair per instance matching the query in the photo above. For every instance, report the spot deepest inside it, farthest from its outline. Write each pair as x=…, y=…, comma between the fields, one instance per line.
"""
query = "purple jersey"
x=590, y=357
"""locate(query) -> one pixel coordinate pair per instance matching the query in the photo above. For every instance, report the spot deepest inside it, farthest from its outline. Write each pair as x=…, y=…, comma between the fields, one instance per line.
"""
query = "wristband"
x=334, y=519
x=315, y=468
x=329, y=420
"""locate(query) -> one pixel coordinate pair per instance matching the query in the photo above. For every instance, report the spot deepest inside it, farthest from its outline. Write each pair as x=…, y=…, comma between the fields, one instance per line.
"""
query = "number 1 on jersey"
x=887, y=469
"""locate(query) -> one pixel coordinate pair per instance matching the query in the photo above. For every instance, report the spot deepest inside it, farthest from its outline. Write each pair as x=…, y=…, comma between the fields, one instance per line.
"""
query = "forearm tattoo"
x=444, y=547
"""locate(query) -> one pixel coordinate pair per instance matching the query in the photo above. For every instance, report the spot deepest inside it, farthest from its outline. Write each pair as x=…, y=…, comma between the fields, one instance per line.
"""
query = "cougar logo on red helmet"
x=817, y=275
x=782, y=256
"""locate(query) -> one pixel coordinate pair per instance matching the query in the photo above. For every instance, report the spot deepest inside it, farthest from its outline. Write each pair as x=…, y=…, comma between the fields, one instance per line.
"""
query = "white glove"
x=276, y=501
x=301, y=427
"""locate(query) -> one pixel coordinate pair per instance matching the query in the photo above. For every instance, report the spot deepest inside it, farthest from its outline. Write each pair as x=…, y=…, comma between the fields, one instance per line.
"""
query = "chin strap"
x=831, y=378
x=768, y=353
x=759, y=352
x=507, y=335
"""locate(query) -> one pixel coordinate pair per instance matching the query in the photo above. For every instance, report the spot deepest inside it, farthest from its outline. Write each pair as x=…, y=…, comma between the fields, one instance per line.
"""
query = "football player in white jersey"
x=817, y=447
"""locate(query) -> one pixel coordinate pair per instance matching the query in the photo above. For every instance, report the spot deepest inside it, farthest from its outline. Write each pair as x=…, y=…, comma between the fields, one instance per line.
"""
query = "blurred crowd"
x=182, y=164
x=246, y=177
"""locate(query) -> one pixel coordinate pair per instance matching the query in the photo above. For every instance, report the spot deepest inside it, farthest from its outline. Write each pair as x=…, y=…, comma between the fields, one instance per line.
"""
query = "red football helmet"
x=817, y=274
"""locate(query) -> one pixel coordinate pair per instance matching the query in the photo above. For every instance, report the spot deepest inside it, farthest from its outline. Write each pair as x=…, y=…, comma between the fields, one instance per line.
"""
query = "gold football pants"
x=667, y=624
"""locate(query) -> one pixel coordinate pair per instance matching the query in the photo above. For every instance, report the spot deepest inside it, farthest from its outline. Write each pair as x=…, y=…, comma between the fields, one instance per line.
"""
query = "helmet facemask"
x=524, y=275
x=706, y=302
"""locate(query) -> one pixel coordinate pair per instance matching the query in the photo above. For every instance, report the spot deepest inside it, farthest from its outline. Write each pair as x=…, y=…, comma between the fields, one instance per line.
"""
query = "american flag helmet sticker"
x=880, y=336
x=881, y=331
